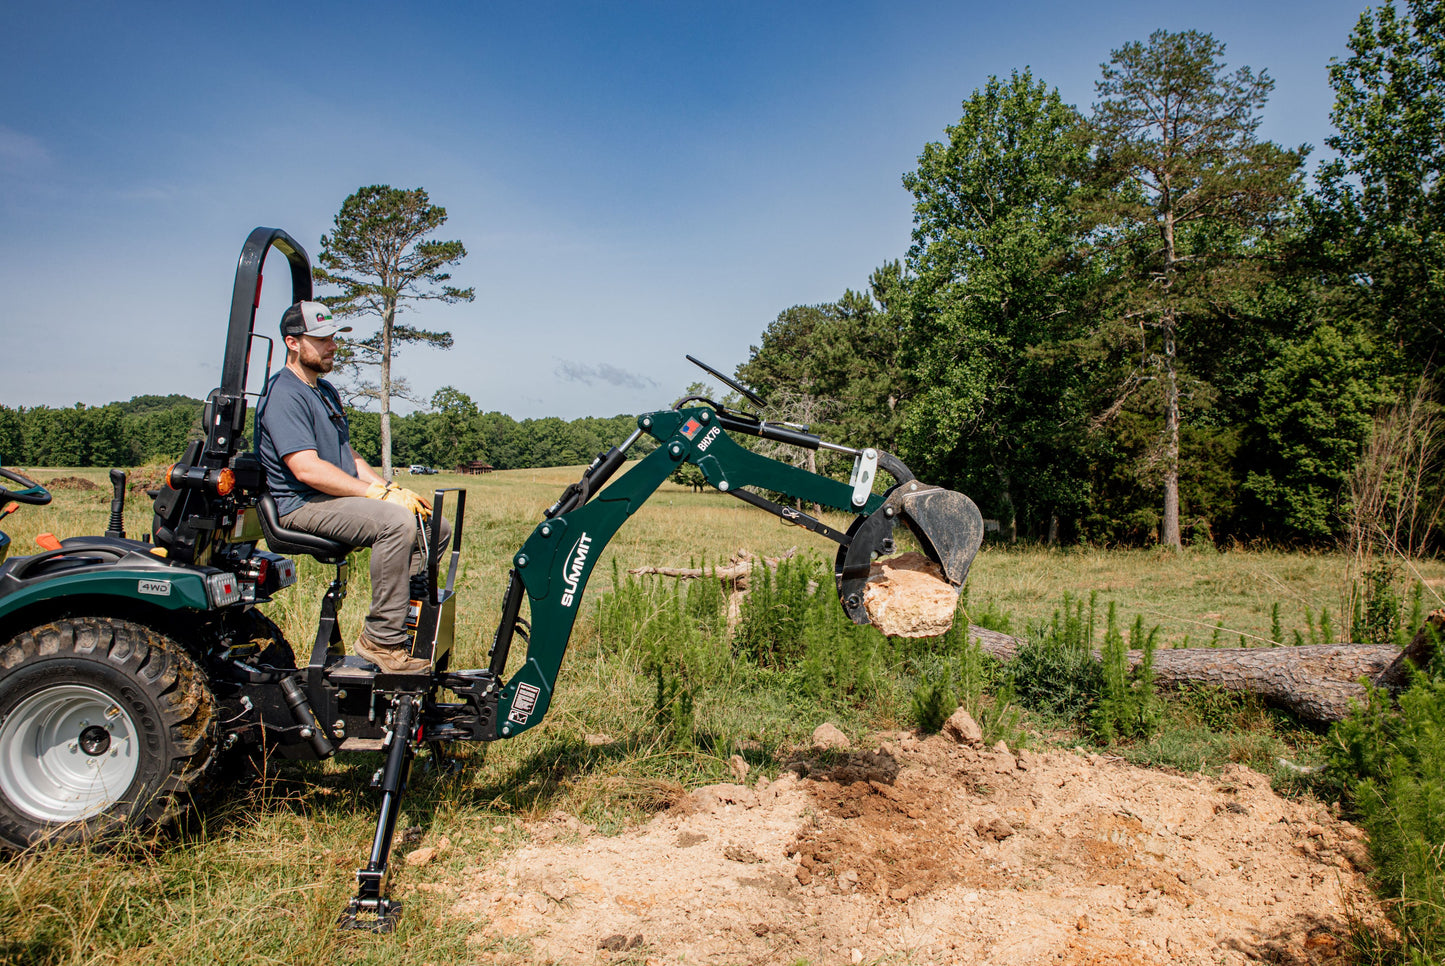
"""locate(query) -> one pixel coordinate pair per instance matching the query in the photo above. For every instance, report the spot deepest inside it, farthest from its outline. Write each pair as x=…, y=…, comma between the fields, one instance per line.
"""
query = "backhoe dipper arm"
x=556, y=561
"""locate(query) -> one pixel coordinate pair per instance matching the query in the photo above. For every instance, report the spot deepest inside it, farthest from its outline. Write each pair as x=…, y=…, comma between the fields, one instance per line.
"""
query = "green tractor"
x=132, y=669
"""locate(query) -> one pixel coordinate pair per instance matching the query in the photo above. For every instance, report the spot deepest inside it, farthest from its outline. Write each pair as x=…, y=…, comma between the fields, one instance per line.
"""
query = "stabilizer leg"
x=370, y=909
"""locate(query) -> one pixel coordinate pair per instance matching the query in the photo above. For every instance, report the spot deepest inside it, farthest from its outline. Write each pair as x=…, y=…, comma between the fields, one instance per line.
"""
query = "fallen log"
x=1315, y=682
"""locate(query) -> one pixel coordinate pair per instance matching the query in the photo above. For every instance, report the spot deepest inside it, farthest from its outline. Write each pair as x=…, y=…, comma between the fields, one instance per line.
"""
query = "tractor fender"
x=146, y=596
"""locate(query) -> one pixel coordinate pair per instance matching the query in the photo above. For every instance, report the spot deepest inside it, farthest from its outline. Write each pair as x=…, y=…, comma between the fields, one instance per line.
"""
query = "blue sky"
x=633, y=181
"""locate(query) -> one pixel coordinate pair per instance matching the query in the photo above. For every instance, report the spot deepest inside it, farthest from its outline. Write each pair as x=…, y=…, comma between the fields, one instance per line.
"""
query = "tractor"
x=132, y=670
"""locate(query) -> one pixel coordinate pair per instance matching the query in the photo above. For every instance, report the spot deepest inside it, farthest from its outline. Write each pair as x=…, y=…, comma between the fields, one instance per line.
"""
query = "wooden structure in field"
x=475, y=468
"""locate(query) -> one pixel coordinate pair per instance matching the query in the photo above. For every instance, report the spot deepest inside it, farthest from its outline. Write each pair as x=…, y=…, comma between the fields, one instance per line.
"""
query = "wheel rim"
x=67, y=753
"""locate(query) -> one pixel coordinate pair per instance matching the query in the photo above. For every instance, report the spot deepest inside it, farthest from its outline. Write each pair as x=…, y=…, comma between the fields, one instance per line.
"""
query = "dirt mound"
x=926, y=851
x=71, y=483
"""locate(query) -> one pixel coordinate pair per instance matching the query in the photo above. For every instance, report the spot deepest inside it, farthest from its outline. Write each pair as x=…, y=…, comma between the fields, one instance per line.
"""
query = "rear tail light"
x=223, y=589
x=285, y=572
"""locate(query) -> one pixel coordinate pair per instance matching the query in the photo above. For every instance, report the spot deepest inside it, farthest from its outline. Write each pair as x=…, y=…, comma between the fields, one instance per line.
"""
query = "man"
x=321, y=486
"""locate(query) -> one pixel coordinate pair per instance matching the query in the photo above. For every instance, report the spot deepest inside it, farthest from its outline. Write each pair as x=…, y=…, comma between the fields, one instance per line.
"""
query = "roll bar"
x=227, y=404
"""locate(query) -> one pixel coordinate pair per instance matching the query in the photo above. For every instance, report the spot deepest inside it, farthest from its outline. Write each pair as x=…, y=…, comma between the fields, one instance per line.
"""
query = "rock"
x=908, y=596
x=738, y=767
x=996, y=829
x=828, y=736
x=743, y=854
x=711, y=796
x=420, y=857
x=961, y=727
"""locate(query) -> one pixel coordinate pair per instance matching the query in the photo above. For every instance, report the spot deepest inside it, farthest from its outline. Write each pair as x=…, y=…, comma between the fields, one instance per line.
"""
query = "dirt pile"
x=930, y=851
x=71, y=483
x=908, y=596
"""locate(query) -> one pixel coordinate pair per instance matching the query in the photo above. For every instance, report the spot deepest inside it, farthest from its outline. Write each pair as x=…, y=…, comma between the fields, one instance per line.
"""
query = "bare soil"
x=926, y=851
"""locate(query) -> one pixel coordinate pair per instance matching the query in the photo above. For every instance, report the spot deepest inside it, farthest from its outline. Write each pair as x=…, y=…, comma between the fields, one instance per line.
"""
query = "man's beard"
x=320, y=365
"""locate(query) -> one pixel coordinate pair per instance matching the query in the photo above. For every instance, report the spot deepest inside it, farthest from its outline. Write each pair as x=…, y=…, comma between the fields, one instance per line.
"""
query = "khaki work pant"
x=391, y=533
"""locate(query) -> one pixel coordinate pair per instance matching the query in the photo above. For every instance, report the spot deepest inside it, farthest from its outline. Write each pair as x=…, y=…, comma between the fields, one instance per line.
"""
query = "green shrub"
x=1379, y=615
x=674, y=632
x=933, y=702
x=776, y=613
x=1127, y=706
x=953, y=671
x=988, y=617
x=1054, y=671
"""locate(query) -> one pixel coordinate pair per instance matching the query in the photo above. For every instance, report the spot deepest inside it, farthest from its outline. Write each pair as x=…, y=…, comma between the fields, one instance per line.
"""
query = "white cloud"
x=20, y=150
x=602, y=372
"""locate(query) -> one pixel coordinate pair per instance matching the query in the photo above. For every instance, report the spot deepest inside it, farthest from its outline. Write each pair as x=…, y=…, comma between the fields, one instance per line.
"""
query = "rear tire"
x=104, y=725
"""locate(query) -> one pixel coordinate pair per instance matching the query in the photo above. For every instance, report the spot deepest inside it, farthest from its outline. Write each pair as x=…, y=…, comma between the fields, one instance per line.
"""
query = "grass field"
x=260, y=876
x=1188, y=594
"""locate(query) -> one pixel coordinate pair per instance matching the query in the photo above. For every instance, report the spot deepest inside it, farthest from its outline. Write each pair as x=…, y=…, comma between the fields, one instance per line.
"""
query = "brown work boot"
x=392, y=660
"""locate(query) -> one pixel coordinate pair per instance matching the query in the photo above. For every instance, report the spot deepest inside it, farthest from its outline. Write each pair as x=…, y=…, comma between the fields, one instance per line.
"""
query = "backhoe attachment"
x=551, y=570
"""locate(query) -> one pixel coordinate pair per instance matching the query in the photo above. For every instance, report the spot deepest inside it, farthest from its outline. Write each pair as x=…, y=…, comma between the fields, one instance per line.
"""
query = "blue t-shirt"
x=294, y=417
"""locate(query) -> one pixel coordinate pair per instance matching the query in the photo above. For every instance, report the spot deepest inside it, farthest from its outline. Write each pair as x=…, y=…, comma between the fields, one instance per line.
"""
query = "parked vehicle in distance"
x=417, y=469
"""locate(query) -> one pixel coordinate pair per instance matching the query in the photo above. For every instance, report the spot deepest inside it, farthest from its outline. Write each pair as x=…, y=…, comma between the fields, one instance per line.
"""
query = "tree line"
x=147, y=429
x=156, y=429
x=1141, y=322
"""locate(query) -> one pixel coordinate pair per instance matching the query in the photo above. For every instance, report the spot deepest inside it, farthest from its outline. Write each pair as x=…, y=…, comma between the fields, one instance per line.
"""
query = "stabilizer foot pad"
x=370, y=915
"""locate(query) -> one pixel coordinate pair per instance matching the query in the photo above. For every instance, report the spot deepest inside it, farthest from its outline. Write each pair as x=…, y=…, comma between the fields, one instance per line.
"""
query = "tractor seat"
x=284, y=540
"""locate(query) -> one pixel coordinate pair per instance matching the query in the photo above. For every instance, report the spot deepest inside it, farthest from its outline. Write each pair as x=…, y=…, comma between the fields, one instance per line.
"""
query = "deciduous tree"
x=1381, y=206
x=995, y=294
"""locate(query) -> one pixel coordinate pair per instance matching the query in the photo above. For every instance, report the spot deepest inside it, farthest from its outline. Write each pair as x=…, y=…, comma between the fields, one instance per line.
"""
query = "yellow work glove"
x=391, y=493
x=414, y=502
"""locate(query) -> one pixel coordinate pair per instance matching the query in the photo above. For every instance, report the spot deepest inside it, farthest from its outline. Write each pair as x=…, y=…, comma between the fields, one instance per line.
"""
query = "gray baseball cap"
x=310, y=318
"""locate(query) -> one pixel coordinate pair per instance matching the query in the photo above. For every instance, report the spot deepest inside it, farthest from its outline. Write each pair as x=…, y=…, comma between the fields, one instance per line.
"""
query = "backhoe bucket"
x=948, y=526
